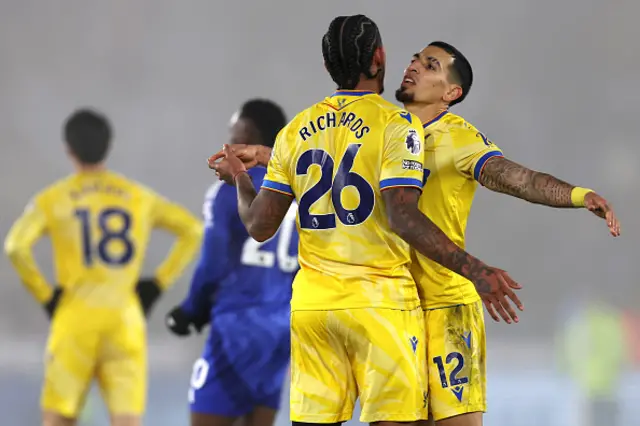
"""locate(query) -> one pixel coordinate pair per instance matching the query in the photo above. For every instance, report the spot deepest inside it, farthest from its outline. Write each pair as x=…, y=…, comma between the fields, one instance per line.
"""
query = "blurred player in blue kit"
x=243, y=289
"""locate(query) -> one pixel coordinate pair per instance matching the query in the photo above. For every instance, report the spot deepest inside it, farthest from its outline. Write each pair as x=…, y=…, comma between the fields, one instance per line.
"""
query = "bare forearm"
x=424, y=236
x=429, y=240
x=505, y=176
x=261, y=212
x=246, y=194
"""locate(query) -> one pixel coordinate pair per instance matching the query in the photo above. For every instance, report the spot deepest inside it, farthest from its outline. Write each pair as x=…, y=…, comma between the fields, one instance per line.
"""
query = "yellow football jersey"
x=99, y=224
x=335, y=158
x=455, y=153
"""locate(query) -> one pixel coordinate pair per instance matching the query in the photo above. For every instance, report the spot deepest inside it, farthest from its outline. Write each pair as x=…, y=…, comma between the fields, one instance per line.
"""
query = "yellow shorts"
x=375, y=354
x=83, y=348
x=456, y=351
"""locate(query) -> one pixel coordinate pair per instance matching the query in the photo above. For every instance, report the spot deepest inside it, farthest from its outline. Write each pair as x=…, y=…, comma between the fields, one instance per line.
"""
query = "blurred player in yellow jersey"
x=353, y=162
x=457, y=156
x=99, y=224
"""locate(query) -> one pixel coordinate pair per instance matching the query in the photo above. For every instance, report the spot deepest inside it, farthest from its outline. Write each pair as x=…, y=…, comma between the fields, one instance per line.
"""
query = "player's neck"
x=368, y=85
x=90, y=168
x=426, y=112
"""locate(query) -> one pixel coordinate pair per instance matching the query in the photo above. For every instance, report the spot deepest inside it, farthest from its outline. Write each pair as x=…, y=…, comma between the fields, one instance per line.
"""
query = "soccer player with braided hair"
x=353, y=162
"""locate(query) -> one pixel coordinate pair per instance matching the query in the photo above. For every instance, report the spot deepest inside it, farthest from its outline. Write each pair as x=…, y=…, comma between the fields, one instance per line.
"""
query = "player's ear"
x=453, y=93
x=68, y=151
x=379, y=60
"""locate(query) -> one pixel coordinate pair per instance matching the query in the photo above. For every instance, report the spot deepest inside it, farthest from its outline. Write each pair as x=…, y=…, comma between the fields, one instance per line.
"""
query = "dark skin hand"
x=250, y=155
x=262, y=212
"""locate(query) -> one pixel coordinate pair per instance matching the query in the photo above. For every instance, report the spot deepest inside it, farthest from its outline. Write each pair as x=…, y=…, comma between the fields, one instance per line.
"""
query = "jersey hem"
x=324, y=307
x=426, y=306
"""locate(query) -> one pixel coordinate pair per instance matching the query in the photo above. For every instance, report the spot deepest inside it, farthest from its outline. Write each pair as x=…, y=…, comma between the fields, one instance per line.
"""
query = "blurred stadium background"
x=556, y=88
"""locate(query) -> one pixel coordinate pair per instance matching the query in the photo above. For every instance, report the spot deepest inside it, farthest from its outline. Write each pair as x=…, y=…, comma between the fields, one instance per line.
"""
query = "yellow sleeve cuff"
x=578, y=194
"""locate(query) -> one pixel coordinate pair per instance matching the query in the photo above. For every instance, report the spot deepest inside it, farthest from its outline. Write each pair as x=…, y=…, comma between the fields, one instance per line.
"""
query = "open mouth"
x=407, y=80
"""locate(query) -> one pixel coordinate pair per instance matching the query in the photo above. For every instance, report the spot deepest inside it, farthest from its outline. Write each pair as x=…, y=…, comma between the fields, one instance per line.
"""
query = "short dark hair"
x=267, y=116
x=348, y=47
x=88, y=135
x=460, y=70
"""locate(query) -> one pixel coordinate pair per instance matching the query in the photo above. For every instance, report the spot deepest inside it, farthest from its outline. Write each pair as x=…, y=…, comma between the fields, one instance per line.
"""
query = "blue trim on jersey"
x=438, y=117
x=480, y=164
x=353, y=93
x=269, y=184
x=387, y=183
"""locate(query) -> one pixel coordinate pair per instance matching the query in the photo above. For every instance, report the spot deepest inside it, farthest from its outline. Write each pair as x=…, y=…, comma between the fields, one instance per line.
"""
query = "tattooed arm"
x=423, y=235
x=493, y=285
x=262, y=212
x=505, y=176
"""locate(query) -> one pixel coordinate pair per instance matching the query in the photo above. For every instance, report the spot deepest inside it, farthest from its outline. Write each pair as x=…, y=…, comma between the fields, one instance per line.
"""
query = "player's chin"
x=403, y=94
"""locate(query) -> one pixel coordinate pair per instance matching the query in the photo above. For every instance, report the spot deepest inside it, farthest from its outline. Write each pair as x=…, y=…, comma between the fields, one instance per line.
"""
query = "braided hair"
x=267, y=116
x=348, y=48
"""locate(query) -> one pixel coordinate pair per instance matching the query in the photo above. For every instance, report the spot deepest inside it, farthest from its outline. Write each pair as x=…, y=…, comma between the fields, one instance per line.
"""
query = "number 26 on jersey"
x=344, y=177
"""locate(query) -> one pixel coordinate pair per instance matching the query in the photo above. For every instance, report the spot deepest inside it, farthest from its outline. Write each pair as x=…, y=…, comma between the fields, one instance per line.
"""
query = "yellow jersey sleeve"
x=277, y=178
x=471, y=150
x=176, y=219
x=24, y=233
x=403, y=152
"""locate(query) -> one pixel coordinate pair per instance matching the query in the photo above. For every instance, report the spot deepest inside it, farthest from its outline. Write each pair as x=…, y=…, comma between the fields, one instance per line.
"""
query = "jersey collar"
x=353, y=93
x=438, y=117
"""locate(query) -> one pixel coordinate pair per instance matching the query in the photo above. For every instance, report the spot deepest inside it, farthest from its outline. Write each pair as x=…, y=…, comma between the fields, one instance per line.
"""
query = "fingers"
x=491, y=310
x=507, y=289
x=499, y=305
x=510, y=281
x=215, y=157
x=613, y=223
x=601, y=208
x=504, y=301
x=223, y=153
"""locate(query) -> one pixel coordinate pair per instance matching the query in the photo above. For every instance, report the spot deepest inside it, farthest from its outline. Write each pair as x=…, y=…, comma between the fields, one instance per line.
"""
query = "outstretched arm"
x=262, y=212
x=508, y=177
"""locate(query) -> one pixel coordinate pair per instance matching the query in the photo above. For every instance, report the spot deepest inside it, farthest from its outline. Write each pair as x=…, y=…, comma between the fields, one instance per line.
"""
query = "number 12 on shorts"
x=453, y=379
